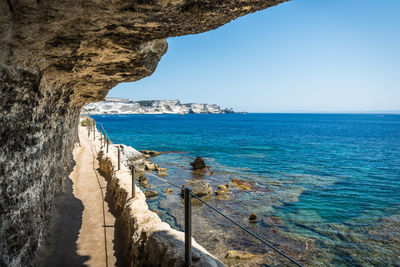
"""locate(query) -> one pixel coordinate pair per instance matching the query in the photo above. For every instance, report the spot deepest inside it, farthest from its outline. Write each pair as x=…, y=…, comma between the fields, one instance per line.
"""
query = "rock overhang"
x=55, y=57
x=94, y=45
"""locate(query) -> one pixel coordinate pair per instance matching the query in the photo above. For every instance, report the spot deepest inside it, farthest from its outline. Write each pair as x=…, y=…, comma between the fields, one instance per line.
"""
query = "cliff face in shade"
x=55, y=57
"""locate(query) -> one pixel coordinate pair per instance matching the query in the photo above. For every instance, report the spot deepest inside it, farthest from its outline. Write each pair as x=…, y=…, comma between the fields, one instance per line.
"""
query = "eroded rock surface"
x=55, y=57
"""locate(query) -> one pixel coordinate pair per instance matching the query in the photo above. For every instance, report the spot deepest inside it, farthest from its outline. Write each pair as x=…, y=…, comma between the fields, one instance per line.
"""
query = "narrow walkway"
x=96, y=234
x=81, y=231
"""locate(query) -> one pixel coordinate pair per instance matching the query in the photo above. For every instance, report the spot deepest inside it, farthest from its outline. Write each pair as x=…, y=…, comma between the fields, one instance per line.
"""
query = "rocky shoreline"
x=300, y=232
x=147, y=240
x=232, y=247
x=246, y=201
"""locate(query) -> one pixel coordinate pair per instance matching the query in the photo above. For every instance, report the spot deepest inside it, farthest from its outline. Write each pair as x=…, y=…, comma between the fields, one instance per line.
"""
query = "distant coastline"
x=116, y=105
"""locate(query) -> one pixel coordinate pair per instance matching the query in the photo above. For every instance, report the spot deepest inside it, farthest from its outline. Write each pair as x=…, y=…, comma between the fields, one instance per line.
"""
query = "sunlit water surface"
x=332, y=178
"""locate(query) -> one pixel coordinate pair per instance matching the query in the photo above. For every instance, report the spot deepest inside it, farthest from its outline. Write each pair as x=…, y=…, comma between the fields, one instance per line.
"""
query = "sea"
x=326, y=187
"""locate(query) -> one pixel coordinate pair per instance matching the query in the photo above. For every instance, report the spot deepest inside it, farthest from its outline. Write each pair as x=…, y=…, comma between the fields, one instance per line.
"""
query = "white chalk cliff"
x=113, y=105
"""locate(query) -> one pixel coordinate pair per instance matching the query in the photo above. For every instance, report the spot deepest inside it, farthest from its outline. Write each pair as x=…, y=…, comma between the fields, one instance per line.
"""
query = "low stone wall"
x=149, y=241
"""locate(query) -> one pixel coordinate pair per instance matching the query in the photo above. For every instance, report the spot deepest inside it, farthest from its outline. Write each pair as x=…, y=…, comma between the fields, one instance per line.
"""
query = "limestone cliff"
x=114, y=105
x=55, y=57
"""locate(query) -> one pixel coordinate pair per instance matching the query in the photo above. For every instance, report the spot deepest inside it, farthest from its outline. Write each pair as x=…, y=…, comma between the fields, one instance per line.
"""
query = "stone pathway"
x=81, y=231
x=96, y=234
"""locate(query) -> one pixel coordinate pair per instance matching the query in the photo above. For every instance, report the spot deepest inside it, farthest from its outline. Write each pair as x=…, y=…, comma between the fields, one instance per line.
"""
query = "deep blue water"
x=329, y=169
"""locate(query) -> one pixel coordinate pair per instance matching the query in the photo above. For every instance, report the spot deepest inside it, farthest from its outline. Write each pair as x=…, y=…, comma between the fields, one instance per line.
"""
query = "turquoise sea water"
x=333, y=178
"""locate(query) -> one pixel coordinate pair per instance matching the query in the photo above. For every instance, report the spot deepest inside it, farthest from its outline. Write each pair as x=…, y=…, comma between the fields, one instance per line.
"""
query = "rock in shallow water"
x=168, y=191
x=198, y=163
x=274, y=221
x=150, y=193
x=159, y=169
x=149, y=166
x=242, y=184
x=239, y=255
x=253, y=218
x=199, y=188
x=223, y=189
x=143, y=181
x=150, y=153
x=223, y=192
x=162, y=173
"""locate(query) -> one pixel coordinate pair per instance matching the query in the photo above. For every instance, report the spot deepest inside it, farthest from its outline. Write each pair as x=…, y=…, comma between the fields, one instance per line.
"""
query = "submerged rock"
x=149, y=166
x=199, y=187
x=223, y=189
x=239, y=255
x=242, y=184
x=159, y=169
x=274, y=221
x=150, y=153
x=168, y=191
x=143, y=181
x=198, y=163
x=150, y=193
x=253, y=218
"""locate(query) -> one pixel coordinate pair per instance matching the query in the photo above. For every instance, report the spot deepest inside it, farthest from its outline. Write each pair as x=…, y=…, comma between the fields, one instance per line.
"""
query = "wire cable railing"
x=248, y=231
x=188, y=194
x=232, y=221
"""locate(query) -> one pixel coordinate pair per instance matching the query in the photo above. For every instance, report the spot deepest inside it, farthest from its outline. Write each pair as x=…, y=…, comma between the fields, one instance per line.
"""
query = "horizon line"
x=395, y=112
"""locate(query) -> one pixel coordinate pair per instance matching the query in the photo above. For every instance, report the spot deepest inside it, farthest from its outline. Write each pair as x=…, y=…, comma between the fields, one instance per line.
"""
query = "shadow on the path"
x=60, y=245
x=120, y=239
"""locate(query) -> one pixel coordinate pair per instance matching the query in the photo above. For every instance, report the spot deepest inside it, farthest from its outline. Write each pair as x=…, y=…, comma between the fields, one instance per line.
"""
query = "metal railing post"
x=108, y=141
x=119, y=159
x=94, y=130
x=188, y=226
x=88, y=130
x=133, y=181
x=101, y=135
x=105, y=138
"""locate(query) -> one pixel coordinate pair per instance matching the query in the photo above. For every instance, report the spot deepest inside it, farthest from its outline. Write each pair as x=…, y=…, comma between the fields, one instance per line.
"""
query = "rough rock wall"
x=37, y=133
x=55, y=57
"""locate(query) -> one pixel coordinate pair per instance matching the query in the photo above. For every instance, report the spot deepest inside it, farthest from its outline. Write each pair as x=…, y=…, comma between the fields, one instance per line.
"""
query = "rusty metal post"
x=119, y=159
x=133, y=181
x=88, y=130
x=108, y=141
x=188, y=226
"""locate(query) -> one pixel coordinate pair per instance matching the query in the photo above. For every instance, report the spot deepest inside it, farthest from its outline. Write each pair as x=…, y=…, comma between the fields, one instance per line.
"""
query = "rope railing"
x=188, y=194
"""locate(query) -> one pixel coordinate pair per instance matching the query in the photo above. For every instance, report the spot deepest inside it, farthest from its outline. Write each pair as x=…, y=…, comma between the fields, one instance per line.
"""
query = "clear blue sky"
x=303, y=55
